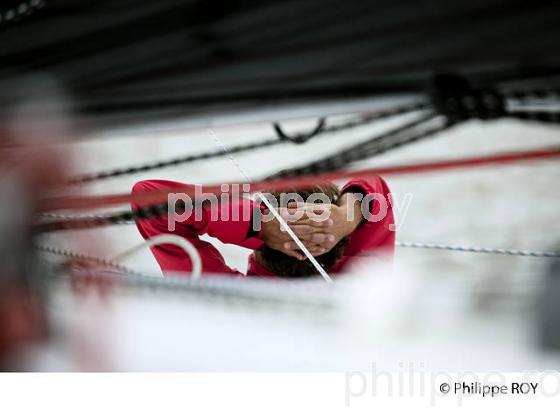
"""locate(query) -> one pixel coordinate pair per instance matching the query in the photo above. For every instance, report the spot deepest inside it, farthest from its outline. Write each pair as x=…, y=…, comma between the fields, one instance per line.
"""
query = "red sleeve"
x=376, y=234
x=215, y=220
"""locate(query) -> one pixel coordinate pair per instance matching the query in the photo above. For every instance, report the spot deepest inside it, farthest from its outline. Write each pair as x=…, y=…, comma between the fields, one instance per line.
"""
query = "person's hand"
x=275, y=237
x=322, y=226
x=319, y=226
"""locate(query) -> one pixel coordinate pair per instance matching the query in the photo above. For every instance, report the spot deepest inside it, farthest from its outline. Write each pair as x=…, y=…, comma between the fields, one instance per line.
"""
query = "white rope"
x=298, y=242
x=168, y=238
x=476, y=249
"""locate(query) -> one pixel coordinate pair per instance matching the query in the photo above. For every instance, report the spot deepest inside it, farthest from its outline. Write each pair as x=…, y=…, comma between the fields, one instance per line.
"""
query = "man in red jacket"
x=359, y=222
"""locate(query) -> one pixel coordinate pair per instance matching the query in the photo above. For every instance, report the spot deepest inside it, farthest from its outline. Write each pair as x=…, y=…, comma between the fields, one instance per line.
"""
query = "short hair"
x=289, y=267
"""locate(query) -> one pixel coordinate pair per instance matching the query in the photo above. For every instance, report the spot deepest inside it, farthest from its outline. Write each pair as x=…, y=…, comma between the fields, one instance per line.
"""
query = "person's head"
x=288, y=266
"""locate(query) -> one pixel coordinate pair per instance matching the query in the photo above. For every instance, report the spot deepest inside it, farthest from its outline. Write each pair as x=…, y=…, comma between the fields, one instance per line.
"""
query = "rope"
x=176, y=240
x=415, y=245
x=361, y=120
x=376, y=145
x=229, y=289
x=95, y=221
x=253, y=291
x=468, y=101
x=83, y=257
x=256, y=291
x=476, y=249
x=455, y=98
x=76, y=217
x=299, y=138
x=221, y=288
x=157, y=197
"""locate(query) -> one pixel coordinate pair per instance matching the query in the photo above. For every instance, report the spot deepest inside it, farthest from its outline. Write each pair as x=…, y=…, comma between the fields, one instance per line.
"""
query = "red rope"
x=156, y=197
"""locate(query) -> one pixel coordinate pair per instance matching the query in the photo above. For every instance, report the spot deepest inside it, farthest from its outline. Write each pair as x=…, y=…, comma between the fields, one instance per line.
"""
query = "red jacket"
x=369, y=237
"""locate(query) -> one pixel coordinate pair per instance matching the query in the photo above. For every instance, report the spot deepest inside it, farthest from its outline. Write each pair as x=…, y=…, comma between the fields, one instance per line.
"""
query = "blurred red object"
x=33, y=160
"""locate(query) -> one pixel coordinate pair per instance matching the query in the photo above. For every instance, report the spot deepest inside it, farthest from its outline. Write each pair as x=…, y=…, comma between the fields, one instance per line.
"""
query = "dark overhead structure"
x=132, y=60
